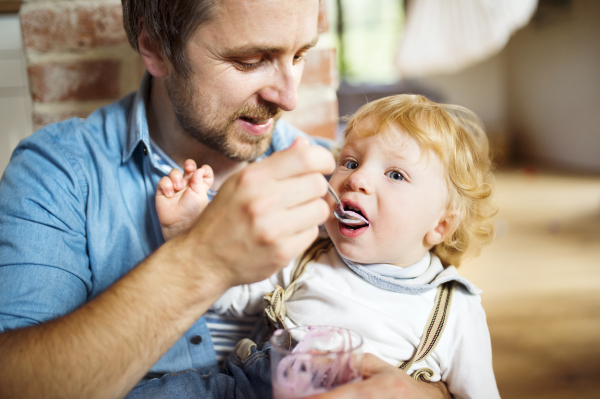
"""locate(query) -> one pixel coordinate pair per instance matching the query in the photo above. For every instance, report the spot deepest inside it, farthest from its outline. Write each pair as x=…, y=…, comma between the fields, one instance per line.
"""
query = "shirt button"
x=196, y=339
x=145, y=151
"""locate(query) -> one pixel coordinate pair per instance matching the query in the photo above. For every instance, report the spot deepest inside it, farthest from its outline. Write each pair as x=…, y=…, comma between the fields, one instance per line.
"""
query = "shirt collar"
x=434, y=275
x=137, y=125
x=398, y=272
x=412, y=273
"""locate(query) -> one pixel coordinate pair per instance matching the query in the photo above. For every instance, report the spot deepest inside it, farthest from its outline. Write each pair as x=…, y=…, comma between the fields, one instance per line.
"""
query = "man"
x=90, y=300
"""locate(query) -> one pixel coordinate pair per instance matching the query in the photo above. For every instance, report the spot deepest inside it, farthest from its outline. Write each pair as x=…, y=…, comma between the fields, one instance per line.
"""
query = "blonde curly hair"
x=456, y=135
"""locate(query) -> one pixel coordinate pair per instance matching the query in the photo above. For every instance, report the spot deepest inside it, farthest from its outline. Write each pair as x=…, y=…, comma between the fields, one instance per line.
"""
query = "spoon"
x=340, y=214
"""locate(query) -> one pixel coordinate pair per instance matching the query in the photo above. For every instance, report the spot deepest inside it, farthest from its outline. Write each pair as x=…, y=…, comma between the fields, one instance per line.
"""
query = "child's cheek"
x=331, y=226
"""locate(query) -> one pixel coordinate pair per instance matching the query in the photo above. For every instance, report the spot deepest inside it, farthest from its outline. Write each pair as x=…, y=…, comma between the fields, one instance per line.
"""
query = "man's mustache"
x=258, y=112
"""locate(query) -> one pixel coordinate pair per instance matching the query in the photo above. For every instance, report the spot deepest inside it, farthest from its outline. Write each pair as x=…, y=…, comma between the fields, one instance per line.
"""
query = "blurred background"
x=531, y=71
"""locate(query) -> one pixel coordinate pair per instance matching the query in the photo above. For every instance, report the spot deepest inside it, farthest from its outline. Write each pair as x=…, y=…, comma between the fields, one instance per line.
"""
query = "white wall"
x=482, y=88
x=15, y=102
x=554, y=88
x=543, y=88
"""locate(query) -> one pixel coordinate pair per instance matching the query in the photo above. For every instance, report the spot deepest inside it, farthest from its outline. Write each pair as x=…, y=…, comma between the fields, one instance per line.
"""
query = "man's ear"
x=445, y=227
x=156, y=64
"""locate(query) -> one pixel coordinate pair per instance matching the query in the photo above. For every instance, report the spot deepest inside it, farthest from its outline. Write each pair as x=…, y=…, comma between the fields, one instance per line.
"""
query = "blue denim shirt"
x=77, y=213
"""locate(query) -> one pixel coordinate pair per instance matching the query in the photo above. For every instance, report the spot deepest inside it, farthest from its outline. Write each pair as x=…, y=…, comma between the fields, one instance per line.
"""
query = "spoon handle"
x=333, y=194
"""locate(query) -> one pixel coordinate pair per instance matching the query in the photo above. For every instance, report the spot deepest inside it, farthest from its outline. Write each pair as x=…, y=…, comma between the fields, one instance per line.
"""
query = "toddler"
x=419, y=174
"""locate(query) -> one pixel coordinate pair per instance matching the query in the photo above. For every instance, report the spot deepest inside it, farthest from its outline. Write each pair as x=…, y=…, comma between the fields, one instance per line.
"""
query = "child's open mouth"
x=353, y=230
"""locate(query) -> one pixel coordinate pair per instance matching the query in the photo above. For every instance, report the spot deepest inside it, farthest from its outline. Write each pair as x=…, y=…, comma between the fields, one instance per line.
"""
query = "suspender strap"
x=275, y=310
x=433, y=330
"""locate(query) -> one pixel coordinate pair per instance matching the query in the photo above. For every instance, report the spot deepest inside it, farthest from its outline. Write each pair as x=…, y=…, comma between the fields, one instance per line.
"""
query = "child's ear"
x=445, y=227
x=156, y=64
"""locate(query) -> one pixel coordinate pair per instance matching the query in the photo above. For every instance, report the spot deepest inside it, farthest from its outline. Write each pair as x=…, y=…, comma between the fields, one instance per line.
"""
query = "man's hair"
x=456, y=135
x=170, y=23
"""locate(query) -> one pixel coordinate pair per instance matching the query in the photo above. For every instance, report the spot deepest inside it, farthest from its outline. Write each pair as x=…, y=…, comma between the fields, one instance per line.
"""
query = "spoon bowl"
x=340, y=214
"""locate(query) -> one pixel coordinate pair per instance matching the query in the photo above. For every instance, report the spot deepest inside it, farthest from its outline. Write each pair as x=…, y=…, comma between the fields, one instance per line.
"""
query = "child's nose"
x=359, y=181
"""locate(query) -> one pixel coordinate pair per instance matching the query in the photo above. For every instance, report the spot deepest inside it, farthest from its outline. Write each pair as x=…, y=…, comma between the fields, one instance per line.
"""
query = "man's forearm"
x=105, y=347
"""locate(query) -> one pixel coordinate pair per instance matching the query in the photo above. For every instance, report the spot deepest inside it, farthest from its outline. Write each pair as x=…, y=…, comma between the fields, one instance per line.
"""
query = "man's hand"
x=383, y=381
x=261, y=218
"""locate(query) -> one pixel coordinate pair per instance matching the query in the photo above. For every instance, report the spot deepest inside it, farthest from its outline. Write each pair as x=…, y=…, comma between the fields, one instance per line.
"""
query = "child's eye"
x=395, y=175
x=350, y=164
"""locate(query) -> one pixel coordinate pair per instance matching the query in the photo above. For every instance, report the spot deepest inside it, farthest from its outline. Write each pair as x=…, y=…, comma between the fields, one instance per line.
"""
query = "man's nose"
x=282, y=88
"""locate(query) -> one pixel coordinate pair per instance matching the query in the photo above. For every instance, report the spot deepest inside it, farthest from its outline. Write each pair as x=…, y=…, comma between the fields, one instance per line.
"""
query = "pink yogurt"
x=324, y=358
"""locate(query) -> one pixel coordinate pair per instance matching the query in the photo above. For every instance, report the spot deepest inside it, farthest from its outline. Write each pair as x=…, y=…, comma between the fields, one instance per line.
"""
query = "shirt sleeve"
x=469, y=372
x=247, y=299
x=44, y=267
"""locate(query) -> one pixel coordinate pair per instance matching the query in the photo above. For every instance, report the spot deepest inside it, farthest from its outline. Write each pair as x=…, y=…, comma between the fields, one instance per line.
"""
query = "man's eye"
x=248, y=66
x=395, y=175
x=298, y=58
x=350, y=164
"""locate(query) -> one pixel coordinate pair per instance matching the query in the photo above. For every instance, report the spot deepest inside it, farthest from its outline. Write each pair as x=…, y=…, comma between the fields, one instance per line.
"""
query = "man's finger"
x=381, y=380
x=296, y=161
x=373, y=365
x=299, y=189
x=357, y=390
x=297, y=219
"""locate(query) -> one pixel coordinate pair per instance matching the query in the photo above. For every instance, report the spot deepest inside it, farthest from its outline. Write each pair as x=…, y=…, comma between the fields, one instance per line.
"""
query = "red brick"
x=72, y=28
x=323, y=25
x=320, y=68
x=81, y=80
x=327, y=130
x=319, y=119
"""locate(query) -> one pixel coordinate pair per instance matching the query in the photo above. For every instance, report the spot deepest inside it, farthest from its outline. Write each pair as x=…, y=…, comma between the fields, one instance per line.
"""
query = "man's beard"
x=217, y=131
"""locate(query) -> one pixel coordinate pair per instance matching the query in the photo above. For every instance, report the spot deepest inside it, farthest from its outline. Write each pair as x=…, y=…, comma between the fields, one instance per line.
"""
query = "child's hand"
x=181, y=198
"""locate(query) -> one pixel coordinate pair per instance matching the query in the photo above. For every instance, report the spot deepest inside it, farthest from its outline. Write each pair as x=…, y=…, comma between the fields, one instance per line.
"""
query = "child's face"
x=400, y=190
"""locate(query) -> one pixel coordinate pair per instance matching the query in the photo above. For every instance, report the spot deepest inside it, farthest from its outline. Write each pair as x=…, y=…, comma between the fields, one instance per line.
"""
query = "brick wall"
x=317, y=111
x=79, y=59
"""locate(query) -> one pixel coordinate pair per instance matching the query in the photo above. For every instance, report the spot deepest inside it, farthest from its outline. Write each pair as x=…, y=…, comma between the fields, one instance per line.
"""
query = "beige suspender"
x=434, y=328
x=275, y=310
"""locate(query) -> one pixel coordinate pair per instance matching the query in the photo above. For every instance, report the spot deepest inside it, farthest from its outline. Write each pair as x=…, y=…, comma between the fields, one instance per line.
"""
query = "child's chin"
x=350, y=252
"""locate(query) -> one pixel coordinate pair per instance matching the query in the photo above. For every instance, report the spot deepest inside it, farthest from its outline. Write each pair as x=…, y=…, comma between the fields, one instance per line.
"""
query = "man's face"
x=246, y=66
x=399, y=189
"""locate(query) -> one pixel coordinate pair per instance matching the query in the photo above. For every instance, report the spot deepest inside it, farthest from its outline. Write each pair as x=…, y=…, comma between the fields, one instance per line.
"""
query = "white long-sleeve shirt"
x=390, y=322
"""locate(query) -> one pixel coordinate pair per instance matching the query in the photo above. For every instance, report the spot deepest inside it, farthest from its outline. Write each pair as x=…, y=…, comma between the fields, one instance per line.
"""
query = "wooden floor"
x=541, y=286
